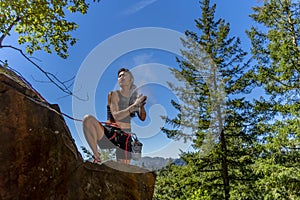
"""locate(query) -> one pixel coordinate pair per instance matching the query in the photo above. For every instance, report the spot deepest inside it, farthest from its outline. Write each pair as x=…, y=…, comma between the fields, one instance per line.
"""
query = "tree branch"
x=60, y=84
x=8, y=30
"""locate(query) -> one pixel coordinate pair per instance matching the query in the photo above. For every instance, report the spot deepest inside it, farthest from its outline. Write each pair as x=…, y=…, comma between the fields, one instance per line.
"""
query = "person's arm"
x=114, y=108
x=142, y=112
x=141, y=109
x=138, y=105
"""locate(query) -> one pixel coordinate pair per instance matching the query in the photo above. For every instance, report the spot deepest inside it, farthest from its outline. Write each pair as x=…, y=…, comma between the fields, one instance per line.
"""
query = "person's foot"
x=97, y=161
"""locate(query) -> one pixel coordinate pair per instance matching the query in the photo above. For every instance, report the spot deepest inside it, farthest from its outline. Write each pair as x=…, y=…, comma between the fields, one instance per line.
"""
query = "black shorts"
x=117, y=138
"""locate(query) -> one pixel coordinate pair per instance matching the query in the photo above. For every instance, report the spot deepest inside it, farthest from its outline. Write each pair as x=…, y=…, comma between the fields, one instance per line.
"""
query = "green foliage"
x=105, y=154
x=277, y=180
x=41, y=24
x=276, y=50
x=179, y=182
x=108, y=154
x=262, y=137
x=213, y=108
x=200, y=195
x=276, y=47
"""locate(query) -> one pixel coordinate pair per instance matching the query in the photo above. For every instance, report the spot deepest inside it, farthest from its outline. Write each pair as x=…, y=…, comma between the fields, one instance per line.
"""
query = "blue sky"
x=106, y=21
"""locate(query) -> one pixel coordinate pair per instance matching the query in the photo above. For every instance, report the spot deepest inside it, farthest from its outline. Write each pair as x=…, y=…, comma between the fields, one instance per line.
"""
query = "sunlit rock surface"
x=39, y=159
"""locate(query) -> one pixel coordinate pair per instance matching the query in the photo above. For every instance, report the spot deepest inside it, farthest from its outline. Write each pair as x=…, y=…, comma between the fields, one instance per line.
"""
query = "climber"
x=122, y=105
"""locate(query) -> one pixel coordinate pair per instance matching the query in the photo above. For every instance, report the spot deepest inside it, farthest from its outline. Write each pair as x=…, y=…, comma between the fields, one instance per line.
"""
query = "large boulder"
x=39, y=159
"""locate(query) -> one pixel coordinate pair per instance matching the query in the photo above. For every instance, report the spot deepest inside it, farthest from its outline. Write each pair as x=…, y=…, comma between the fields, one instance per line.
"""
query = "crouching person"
x=123, y=104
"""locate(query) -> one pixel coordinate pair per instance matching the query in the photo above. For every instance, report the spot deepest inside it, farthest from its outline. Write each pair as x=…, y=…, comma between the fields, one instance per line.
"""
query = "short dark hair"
x=123, y=70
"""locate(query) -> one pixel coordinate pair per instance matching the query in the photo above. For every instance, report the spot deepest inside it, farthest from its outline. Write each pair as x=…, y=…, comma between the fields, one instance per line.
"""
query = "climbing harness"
x=136, y=147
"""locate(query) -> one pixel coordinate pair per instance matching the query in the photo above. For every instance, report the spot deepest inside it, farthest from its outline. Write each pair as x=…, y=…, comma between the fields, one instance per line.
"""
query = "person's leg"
x=93, y=132
x=123, y=152
x=122, y=155
x=124, y=161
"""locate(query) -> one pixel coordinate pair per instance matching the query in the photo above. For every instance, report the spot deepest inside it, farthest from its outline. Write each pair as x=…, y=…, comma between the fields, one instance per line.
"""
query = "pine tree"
x=276, y=50
x=214, y=113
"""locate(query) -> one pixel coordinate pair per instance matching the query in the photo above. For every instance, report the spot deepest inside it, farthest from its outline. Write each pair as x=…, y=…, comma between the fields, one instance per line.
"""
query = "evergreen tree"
x=214, y=113
x=276, y=49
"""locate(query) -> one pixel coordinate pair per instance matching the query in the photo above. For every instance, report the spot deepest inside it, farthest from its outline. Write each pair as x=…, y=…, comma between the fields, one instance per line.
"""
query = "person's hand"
x=139, y=102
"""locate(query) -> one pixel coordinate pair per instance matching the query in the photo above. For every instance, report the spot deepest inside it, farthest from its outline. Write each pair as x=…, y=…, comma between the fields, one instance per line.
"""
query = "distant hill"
x=156, y=163
x=153, y=163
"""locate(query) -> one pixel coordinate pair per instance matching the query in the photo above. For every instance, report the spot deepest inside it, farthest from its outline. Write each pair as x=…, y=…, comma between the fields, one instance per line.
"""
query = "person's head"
x=125, y=77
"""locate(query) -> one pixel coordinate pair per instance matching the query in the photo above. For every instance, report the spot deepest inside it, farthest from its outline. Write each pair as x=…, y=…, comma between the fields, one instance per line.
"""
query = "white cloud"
x=142, y=59
x=138, y=6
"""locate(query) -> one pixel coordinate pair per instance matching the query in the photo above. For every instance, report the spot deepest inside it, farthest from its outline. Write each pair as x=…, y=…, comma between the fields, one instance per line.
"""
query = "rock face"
x=39, y=159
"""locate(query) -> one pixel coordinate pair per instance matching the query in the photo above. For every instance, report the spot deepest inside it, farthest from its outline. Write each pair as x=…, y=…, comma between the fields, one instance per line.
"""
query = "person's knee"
x=88, y=120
